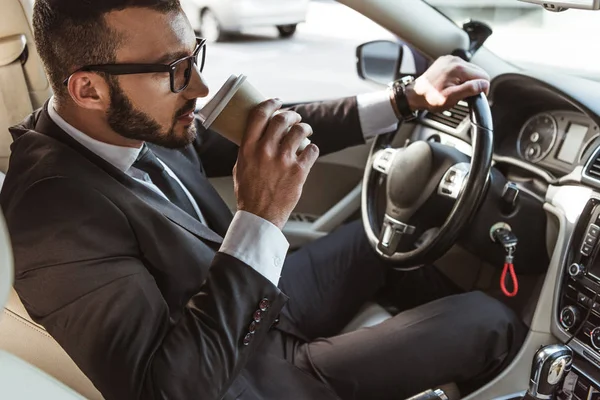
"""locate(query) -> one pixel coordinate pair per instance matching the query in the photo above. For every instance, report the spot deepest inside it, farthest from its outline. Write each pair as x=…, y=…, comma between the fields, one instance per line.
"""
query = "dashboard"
x=543, y=125
x=557, y=139
x=547, y=143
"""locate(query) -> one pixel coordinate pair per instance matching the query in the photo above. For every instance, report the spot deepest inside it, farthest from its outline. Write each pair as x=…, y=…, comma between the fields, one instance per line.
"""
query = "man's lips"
x=186, y=113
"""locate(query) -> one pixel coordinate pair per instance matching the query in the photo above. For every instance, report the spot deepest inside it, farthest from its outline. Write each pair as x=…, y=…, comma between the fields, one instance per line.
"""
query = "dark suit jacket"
x=133, y=288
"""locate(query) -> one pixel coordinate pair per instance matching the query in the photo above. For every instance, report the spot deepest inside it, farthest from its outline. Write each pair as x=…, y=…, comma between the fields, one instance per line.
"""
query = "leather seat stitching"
x=26, y=323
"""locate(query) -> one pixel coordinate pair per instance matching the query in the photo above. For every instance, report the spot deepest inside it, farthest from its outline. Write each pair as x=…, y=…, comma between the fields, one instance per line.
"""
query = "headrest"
x=6, y=263
x=11, y=48
x=15, y=28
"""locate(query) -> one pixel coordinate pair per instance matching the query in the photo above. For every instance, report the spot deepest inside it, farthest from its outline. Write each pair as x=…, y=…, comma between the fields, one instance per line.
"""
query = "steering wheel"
x=421, y=178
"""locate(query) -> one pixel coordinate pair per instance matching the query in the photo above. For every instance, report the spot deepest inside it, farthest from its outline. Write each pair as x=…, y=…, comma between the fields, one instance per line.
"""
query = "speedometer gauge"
x=537, y=137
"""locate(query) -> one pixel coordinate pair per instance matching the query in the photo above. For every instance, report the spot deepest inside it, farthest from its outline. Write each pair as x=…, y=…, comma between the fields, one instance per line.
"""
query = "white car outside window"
x=216, y=18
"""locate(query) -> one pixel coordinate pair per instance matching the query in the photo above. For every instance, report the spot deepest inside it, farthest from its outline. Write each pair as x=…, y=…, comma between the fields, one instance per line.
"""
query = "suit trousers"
x=464, y=338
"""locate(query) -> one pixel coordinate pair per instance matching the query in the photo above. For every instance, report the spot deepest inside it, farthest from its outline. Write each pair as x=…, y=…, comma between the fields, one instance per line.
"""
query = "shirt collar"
x=119, y=156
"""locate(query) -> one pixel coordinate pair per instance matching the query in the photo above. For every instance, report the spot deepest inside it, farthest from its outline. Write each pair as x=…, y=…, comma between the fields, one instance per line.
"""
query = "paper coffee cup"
x=228, y=111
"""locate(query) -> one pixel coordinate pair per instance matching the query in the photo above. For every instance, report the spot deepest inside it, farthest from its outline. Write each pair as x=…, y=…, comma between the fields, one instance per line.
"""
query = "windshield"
x=533, y=38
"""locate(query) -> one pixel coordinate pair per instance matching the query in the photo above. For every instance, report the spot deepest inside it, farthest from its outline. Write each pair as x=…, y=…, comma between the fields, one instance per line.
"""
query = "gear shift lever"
x=550, y=365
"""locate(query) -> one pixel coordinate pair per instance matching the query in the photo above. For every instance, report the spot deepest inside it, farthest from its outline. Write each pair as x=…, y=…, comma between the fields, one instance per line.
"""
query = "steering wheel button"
x=451, y=177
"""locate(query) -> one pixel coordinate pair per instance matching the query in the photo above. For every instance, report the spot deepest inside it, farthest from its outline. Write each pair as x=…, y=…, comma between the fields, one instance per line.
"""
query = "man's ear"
x=89, y=90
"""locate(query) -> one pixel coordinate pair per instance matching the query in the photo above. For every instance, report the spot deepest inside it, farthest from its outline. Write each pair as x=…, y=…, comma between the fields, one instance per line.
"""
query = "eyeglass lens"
x=183, y=71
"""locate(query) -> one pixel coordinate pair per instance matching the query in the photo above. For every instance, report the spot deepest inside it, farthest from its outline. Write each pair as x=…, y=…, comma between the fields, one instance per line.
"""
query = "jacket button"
x=253, y=326
x=247, y=339
x=264, y=304
x=257, y=316
x=275, y=323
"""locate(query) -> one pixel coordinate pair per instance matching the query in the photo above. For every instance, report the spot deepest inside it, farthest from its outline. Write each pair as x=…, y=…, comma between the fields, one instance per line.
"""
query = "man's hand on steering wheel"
x=447, y=81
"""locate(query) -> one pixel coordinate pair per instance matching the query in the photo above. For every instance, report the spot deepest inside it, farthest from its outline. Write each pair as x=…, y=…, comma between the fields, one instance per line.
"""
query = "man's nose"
x=197, y=87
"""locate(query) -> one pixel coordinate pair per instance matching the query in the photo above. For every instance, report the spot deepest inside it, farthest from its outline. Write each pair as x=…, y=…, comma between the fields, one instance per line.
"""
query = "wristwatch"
x=399, y=99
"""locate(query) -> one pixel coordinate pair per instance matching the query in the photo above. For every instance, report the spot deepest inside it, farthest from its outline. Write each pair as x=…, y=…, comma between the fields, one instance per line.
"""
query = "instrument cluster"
x=557, y=139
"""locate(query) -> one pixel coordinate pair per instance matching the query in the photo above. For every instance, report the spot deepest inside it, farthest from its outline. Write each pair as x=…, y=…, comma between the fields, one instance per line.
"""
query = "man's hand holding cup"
x=275, y=154
x=271, y=169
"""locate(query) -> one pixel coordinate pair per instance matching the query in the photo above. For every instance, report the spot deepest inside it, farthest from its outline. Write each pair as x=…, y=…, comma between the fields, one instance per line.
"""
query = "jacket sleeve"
x=79, y=274
x=336, y=126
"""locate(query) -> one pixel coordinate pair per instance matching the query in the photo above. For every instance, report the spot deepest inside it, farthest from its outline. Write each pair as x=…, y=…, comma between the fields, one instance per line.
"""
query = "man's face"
x=143, y=107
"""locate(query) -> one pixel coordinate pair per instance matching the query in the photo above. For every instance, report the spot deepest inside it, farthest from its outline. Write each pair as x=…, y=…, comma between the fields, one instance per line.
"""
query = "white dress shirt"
x=250, y=238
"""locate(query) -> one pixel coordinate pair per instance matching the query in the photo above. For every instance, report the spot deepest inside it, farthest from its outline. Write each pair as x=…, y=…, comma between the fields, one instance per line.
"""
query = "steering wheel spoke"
x=391, y=234
x=383, y=159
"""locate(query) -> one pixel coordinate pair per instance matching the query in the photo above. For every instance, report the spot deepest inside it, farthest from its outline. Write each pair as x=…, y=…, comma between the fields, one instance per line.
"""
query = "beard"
x=134, y=124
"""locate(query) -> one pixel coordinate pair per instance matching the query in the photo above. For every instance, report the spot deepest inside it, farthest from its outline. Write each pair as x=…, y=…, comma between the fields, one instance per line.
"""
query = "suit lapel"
x=212, y=206
x=172, y=212
x=46, y=126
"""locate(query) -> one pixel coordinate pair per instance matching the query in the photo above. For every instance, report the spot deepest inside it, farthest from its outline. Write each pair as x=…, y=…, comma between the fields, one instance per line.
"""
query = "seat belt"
x=15, y=103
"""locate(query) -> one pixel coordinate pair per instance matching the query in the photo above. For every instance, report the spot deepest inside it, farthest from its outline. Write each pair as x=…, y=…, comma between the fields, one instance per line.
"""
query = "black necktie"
x=148, y=163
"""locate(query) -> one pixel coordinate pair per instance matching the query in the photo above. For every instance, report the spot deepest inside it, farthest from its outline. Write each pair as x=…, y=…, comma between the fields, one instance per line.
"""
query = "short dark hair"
x=72, y=33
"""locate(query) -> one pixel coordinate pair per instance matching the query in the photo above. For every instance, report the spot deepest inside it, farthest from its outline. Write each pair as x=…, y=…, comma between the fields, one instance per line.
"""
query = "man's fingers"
x=259, y=119
x=279, y=126
x=471, y=88
x=293, y=139
x=466, y=71
x=308, y=156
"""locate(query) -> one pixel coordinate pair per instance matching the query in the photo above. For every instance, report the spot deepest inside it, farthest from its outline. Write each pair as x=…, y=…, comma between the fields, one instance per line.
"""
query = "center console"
x=581, y=383
x=579, y=301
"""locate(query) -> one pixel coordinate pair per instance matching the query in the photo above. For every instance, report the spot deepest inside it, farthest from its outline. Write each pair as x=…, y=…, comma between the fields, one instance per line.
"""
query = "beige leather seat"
x=19, y=379
x=23, y=83
x=23, y=88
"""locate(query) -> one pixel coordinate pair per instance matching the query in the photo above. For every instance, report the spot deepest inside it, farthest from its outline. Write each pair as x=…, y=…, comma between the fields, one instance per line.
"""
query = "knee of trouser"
x=492, y=319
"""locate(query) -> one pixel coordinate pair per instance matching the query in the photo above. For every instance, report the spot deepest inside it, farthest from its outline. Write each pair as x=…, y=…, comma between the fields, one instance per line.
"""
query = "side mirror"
x=383, y=61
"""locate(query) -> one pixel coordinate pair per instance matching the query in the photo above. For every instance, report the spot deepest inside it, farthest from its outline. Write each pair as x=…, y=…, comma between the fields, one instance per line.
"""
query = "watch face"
x=407, y=79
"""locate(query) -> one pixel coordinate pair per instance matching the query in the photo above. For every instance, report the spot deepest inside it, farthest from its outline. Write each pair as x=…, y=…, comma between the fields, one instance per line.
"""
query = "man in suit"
x=133, y=263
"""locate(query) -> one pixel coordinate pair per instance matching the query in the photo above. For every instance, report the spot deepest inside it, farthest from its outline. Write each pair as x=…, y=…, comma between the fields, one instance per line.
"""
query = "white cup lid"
x=209, y=113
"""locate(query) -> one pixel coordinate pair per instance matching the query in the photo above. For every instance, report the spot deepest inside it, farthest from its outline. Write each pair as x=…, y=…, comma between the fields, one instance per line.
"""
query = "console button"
x=576, y=270
x=588, y=328
x=594, y=230
x=569, y=317
x=571, y=292
x=583, y=299
x=586, y=249
x=595, y=338
x=596, y=307
x=590, y=240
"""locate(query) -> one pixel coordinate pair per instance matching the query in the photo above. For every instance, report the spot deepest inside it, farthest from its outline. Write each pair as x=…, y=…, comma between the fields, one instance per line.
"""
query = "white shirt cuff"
x=376, y=113
x=258, y=243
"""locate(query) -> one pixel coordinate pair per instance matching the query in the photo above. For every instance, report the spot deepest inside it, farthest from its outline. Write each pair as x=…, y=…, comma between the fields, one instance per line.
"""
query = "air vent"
x=451, y=118
x=302, y=217
x=593, y=168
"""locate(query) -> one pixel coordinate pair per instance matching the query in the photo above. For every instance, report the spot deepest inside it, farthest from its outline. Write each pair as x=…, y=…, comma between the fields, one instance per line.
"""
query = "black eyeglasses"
x=180, y=71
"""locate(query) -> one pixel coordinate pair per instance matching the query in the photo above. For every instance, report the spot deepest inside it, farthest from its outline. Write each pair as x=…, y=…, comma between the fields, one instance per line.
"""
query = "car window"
x=531, y=37
x=318, y=62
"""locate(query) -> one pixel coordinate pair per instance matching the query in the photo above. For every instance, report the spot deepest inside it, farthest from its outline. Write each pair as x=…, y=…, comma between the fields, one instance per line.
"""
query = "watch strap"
x=401, y=100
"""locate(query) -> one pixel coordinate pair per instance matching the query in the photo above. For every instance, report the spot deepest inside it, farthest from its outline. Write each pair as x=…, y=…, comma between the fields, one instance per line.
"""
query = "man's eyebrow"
x=176, y=55
x=170, y=57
